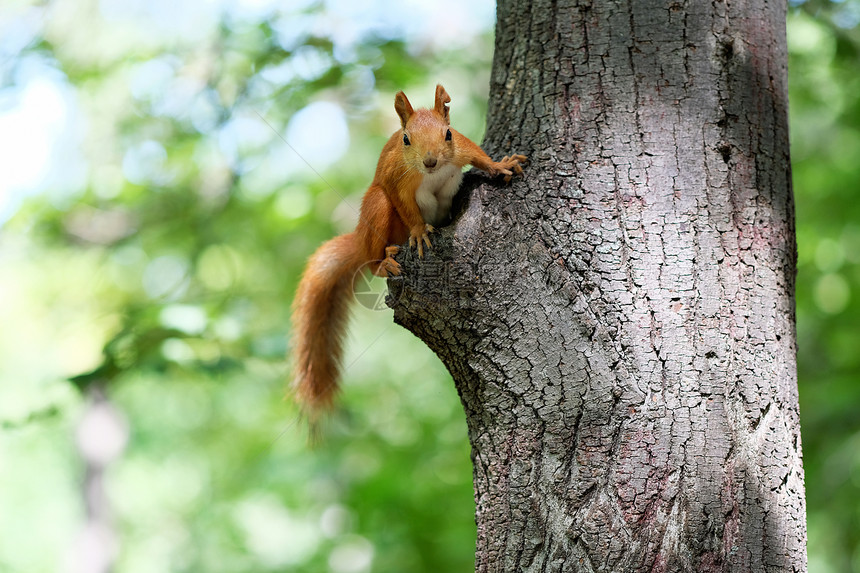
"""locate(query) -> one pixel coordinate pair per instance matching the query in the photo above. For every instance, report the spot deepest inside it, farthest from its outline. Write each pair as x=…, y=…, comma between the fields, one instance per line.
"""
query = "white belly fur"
x=436, y=191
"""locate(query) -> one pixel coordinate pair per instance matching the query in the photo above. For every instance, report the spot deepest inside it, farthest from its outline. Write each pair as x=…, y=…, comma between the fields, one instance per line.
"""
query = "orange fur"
x=412, y=180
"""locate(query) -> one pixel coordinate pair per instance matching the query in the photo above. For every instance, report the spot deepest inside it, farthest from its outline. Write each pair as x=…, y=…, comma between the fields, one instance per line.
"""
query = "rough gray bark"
x=620, y=322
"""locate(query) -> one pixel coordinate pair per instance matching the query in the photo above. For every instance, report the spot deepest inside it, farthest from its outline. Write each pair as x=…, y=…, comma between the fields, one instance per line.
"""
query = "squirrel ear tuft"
x=403, y=108
x=442, y=98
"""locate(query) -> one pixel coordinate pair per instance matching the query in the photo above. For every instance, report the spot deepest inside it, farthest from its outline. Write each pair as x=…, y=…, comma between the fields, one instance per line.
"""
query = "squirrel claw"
x=509, y=166
x=388, y=264
x=419, y=236
x=391, y=267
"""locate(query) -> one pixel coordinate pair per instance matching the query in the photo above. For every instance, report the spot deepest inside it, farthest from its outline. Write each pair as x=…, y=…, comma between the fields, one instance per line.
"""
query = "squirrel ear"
x=403, y=108
x=442, y=98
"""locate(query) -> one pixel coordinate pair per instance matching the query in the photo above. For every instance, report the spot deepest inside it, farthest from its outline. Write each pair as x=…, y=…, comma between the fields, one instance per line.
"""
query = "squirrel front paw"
x=508, y=166
x=419, y=236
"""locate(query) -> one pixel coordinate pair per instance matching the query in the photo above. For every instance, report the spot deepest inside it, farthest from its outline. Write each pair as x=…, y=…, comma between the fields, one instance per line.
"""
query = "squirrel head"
x=426, y=137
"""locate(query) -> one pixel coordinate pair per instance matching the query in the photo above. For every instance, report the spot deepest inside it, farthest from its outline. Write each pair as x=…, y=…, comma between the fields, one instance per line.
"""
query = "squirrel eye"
x=405, y=139
x=448, y=135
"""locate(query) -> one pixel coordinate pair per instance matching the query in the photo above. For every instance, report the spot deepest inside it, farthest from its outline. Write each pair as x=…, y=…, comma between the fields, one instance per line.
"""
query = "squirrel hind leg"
x=387, y=267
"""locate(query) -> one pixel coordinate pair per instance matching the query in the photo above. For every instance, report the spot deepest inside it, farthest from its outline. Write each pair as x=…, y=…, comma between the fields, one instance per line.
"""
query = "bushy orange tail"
x=320, y=316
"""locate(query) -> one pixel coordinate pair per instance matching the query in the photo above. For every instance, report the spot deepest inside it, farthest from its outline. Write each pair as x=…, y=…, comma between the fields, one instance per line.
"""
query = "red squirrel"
x=418, y=174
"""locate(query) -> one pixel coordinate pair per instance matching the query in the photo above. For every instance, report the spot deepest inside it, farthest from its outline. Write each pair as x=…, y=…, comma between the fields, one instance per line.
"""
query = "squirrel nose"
x=429, y=161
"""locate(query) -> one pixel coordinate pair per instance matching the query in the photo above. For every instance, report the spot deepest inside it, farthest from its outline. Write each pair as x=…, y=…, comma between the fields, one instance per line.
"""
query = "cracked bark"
x=619, y=323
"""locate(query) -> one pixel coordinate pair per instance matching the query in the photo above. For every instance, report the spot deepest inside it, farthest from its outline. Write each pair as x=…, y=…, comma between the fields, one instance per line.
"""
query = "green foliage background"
x=156, y=255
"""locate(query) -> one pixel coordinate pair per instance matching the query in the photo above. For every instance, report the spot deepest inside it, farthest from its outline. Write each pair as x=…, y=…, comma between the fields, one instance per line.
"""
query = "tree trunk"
x=620, y=322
